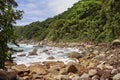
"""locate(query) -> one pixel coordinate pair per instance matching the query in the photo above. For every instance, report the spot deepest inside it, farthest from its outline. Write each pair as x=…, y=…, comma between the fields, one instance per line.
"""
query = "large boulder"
x=19, y=68
x=34, y=52
x=37, y=68
x=74, y=55
x=7, y=75
x=75, y=68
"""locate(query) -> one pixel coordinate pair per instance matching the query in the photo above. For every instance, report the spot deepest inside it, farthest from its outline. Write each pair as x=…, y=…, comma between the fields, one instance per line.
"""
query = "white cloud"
x=59, y=6
x=35, y=10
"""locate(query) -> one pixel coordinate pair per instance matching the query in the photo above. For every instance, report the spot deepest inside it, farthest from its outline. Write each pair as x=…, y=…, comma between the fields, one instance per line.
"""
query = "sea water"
x=60, y=54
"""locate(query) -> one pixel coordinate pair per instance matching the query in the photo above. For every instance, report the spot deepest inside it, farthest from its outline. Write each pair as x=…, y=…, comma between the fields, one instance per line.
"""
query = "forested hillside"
x=87, y=20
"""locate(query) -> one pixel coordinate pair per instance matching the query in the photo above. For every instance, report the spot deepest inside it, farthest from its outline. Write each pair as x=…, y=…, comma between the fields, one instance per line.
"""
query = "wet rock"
x=37, y=68
x=19, y=50
x=116, y=77
x=51, y=57
x=74, y=55
x=34, y=52
x=21, y=55
x=46, y=50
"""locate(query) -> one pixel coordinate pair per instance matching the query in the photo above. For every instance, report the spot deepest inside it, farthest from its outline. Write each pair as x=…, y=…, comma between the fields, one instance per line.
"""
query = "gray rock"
x=51, y=57
x=116, y=77
x=34, y=52
x=74, y=55
x=116, y=43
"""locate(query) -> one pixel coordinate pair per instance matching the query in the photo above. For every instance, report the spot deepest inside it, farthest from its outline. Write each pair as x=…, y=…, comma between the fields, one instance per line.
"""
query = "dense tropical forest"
x=87, y=20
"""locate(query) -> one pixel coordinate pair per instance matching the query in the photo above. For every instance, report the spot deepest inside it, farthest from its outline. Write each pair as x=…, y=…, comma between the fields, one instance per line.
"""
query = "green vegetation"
x=8, y=16
x=87, y=20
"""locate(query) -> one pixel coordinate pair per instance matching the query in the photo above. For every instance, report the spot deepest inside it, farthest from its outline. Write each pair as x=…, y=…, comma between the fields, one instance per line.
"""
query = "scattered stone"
x=21, y=55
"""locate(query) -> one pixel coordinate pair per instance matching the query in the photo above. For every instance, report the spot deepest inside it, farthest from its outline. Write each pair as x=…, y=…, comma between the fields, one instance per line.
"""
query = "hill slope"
x=87, y=20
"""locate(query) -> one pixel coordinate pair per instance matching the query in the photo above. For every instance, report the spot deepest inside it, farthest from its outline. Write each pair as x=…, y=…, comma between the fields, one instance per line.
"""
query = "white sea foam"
x=60, y=54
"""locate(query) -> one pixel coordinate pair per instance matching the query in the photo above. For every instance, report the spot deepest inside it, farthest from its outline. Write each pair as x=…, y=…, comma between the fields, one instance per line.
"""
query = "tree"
x=8, y=17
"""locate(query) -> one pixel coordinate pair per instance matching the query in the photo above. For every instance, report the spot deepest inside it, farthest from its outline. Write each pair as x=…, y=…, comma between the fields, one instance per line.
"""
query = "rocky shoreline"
x=99, y=62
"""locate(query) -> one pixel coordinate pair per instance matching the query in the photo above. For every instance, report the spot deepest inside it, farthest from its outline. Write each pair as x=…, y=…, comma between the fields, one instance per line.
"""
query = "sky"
x=39, y=10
